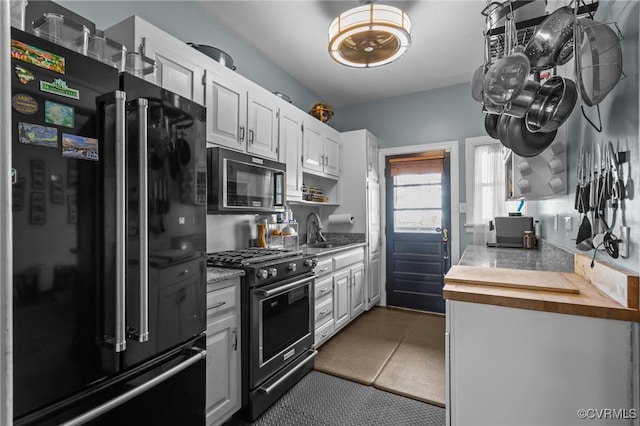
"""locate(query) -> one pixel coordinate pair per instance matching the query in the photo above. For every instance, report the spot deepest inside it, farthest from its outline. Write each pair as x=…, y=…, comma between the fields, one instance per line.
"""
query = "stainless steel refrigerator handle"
x=141, y=332
x=287, y=287
x=110, y=405
x=277, y=383
x=118, y=341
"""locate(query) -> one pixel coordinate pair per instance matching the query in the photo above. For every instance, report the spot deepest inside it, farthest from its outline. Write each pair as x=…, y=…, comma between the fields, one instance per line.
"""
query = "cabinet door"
x=372, y=157
x=341, y=298
x=373, y=275
x=331, y=150
x=290, y=140
x=222, y=381
x=262, y=124
x=226, y=102
x=177, y=68
x=357, y=291
x=312, y=156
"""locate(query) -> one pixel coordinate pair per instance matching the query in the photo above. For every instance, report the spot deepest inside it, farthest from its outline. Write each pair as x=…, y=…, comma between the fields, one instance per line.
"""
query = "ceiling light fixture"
x=369, y=36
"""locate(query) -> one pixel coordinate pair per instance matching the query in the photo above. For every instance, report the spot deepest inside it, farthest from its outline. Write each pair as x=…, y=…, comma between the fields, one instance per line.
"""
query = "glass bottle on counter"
x=261, y=241
x=528, y=240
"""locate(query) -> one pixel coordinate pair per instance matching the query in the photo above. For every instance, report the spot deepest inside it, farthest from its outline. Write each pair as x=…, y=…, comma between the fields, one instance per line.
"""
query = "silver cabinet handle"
x=325, y=334
x=324, y=311
x=250, y=136
x=322, y=160
x=326, y=160
x=217, y=305
x=234, y=346
x=141, y=332
x=241, y=133
x=275, y=384
x=127, y=396
x=324, y=290
x=323, y=270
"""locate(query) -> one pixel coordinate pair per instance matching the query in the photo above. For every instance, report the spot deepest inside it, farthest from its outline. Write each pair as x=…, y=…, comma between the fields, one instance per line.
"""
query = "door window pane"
x=417, y=220
x=415, y=197
x=430, y=178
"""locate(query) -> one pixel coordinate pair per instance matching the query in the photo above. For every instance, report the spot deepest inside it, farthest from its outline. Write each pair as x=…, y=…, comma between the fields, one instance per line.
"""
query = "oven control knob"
x=310, y=263
x=273, y=272
x=262, y=273
x=292, y=267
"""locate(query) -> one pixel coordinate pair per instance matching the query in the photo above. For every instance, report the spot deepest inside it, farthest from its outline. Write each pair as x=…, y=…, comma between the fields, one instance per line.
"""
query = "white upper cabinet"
x=290, y=139
x=240, y=115
x=312, y=150
x=331, y=145
x=262, y=123
x=178, y=66
x=226, y=103
x=321, y=148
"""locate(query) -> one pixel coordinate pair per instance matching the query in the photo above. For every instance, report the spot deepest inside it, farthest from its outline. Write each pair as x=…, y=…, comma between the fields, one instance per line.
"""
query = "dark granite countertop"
x=545, y=258
x=215, y=274
x=330, y=250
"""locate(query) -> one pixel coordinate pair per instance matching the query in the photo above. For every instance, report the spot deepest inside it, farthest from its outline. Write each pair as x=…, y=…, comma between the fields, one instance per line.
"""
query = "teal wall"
x=188, y=22
x=438, y=115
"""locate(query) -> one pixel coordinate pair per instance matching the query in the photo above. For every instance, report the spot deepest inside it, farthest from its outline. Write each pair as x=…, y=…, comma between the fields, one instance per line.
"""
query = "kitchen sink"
x=325, y=244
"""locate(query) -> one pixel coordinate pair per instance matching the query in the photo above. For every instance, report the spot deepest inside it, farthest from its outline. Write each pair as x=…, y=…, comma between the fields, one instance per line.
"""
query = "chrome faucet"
x=314, y=226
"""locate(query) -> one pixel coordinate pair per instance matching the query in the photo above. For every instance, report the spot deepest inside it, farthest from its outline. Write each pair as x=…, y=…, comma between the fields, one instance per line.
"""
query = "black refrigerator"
x=109, y=245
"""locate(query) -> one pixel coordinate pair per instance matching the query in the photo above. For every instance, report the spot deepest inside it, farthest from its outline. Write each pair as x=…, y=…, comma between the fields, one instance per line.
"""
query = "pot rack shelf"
x=496, y=11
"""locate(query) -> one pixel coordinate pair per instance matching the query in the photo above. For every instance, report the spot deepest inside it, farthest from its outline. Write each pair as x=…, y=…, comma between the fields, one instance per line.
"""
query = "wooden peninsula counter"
x=533, y=337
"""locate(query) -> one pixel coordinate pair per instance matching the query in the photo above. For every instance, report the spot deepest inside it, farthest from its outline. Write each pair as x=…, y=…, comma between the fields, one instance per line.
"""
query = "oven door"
x=281, y=325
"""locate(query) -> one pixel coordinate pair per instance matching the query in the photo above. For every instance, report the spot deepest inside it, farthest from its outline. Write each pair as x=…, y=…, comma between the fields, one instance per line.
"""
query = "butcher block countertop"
x=605, y=291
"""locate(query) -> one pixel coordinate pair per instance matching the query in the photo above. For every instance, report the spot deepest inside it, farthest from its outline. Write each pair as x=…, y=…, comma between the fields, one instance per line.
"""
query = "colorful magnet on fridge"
x=24, y=104
x=58, y=114
x=24, y=75
x=80, y=147
x=59, y=87
x=36, y=56
x=36, y=134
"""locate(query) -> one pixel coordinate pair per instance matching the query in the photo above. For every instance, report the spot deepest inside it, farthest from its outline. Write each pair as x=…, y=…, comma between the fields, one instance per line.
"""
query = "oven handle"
x=286, y=287
x=277, y=383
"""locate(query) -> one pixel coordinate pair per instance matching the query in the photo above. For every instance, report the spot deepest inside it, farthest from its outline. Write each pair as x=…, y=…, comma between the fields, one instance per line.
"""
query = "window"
x=417, y=192
x=486, y=187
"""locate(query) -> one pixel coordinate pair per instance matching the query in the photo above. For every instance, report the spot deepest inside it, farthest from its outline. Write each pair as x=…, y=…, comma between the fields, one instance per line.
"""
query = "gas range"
x=264, y=266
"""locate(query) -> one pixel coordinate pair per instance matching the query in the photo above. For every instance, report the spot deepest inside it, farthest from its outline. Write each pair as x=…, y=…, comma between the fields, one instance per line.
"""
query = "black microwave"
x=242, y=183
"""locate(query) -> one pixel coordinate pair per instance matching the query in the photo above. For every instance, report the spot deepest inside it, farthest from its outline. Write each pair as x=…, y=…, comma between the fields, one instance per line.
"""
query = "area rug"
x=416, y=369
x=360, y=351
x=395, y=350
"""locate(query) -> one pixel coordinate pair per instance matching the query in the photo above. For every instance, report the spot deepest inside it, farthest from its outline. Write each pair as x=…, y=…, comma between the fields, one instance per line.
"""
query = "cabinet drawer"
x=179, y=272
x=323, y=288
x=324, y=311
x=348, y=258
x=221, y=300
x=324, y=266
x=324, y=332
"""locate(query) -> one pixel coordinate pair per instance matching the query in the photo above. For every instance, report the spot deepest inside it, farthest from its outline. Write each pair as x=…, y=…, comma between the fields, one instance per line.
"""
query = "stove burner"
x=248, y=256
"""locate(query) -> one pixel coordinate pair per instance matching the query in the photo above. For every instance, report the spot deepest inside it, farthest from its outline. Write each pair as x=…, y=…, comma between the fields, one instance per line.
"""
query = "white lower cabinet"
x=339, y=292
x=508, y=366
x=223, y=352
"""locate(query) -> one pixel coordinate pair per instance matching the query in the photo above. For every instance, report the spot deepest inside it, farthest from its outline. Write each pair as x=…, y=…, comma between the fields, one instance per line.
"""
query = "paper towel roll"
x=341, y=218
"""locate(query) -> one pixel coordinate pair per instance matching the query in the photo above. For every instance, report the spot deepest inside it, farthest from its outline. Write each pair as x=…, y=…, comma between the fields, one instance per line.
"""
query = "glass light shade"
x=369, y=36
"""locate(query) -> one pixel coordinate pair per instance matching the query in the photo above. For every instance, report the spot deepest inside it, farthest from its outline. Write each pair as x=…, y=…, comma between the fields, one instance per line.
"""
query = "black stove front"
x=277, y=300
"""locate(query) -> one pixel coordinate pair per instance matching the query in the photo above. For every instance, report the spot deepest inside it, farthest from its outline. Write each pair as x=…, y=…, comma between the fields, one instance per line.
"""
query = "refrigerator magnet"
x=36, y=56
x=58, y=114
x=80, y=147
x=24, y=104
x=24, y=75
x=36, y=134
x=59, y=87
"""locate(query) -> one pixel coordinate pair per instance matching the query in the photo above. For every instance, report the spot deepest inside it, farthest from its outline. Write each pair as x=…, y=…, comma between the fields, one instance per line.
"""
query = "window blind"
x=426, y=163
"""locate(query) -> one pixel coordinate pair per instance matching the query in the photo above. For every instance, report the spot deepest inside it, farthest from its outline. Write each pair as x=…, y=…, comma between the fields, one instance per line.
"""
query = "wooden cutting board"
x=512, y=278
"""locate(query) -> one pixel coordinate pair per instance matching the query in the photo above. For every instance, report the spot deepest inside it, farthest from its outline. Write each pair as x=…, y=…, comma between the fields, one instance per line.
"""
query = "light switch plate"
x=568, y=223
x=463, y=207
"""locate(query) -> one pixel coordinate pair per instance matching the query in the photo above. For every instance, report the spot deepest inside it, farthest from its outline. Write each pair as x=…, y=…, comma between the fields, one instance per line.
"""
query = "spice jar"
x=261, y=241
x=528, y=240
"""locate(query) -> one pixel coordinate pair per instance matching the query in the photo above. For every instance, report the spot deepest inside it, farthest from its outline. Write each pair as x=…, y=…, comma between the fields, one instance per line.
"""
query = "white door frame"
x=6, y=249
x=452, y=148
